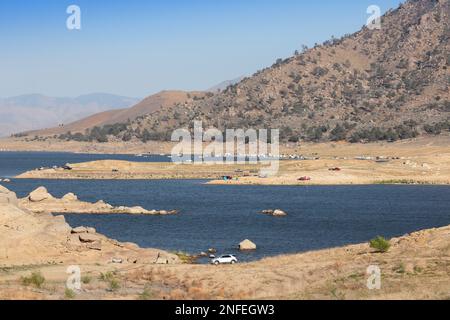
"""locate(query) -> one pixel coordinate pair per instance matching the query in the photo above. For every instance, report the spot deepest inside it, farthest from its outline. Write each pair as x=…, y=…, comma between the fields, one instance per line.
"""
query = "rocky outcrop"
x=70, y=197
x=275, y=213
x=31, y=238
x=247, y=245
x=79, y=230
x=7, y=197
x=40, y=194
x=40, y=200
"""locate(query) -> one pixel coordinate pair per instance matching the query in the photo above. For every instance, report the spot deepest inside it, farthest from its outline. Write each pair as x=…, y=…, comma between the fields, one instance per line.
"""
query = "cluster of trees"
x=437, y=128
x=119, y=130
x=380, y=134
x=99, y=134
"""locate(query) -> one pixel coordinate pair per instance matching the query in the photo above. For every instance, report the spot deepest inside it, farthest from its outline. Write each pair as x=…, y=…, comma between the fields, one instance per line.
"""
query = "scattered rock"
x=40, y=201
x=275, y=213
x=279, y=213
x=212, y=250
x=40, y=194
x=7, y=197
x=134, y=210
x=70, y=197
x=130, y=245
x=79, y=230
x=116, y=260
x=91, y=230
x=35, y=239
x=88, y=237
x=247, y=245
x=96, y=245
x=103, y=204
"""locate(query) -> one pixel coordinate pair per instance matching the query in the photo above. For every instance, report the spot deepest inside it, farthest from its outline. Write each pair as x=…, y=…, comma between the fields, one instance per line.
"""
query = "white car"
x=225, y=259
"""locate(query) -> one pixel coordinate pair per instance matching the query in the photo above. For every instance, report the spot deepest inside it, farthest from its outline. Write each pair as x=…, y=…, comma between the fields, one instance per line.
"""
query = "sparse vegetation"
x=380, y=244
x=35, y=279
x=69, y=293
x=109, y=278
x=146, y=294
x=86, y=279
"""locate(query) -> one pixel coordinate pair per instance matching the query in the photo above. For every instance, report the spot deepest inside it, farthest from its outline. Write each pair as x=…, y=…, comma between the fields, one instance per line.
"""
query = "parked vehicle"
x=335, y=169
x=225, y=259
x=304, y=179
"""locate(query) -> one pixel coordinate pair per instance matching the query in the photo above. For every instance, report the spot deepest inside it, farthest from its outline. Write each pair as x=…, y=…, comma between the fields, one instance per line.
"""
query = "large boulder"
x=135, y=210
x=279, y=213
x=79, y=230
x=40, y=194
x=70, y=197
x=7, y=197
x=89, y=237
x=275, y=213
x=247, y=245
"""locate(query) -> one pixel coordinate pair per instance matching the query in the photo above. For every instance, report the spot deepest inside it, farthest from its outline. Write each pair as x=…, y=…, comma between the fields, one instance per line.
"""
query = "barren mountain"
x=28, y=112
x=148, y=105
x=385, y=84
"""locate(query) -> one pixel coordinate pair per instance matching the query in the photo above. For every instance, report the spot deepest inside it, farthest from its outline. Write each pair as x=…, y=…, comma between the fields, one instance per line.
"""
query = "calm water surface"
x=222, y=216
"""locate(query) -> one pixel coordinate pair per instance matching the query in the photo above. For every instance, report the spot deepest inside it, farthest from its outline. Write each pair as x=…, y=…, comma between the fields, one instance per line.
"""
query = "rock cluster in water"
x=41, y=238
x=275, y=213
x=40, y=200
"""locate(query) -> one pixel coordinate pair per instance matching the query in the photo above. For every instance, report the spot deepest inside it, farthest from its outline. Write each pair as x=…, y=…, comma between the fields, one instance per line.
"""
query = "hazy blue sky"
x=136, y=48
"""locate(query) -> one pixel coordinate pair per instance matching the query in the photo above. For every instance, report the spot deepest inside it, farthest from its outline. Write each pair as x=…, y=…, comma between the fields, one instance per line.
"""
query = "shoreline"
x=424, y=161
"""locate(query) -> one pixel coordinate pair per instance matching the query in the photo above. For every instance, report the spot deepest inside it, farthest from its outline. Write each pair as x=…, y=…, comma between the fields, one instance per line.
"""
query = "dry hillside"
x=375, y=84
x=151, y=104
x=386, y=84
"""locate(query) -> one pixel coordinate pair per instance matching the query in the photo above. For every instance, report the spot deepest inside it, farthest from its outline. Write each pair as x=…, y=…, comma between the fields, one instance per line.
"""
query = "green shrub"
x=108, y=277
x=338, y=133
x=380, y=244
x=69, y=293
x=146, y=294
x=114, y=284
x=86, y=279
x=36, y=279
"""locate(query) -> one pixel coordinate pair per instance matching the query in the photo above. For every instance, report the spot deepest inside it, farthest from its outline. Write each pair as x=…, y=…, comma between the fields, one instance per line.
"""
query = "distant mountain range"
x=118, y=114
x=35, y=111
x=151, y=104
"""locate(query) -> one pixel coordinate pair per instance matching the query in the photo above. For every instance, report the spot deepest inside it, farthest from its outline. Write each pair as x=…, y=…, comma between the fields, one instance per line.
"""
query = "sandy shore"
x=54, y=145
x=122, y=170
x=421, y=161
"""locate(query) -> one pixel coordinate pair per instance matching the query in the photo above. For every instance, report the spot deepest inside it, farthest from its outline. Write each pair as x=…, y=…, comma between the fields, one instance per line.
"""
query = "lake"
x=222, y=216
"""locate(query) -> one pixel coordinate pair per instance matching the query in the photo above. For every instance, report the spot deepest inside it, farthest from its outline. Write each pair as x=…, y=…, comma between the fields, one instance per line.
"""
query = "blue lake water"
x=222, y=216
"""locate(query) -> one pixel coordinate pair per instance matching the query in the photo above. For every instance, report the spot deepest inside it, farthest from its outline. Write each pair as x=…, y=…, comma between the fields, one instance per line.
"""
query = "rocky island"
x=40, y=200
